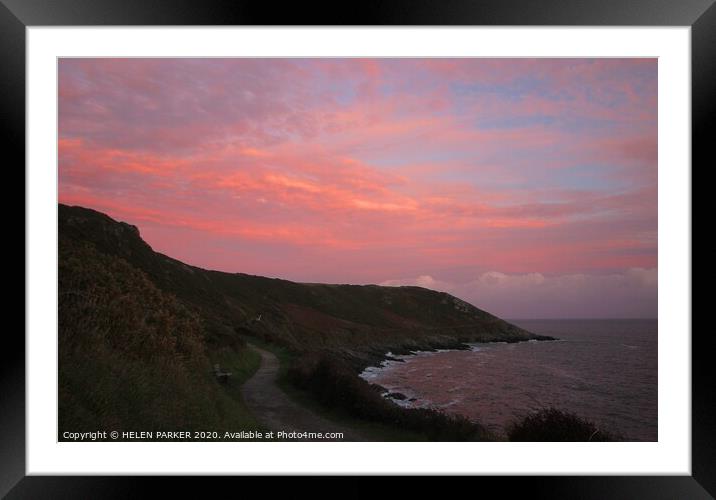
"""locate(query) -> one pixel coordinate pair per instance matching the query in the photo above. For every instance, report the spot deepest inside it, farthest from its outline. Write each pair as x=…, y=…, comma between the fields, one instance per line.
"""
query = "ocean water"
x=602, y=370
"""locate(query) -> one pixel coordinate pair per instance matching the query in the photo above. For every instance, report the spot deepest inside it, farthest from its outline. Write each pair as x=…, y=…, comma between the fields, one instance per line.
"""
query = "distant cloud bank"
x=630, y=294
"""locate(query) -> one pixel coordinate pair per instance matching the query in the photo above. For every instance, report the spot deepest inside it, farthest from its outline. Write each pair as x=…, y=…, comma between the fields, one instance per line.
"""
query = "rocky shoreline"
x=360, y=361
x=390, y=356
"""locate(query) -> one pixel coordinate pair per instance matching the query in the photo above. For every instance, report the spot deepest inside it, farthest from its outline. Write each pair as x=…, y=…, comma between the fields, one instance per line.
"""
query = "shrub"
x=333, y=383
x=130, y=356
x=551, y=424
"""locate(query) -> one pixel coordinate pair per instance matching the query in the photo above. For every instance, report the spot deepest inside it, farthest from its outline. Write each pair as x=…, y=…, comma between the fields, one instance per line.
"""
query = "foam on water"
x=591, y=371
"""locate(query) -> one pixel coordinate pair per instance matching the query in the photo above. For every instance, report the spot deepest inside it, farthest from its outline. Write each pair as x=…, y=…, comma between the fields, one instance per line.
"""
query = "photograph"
x=413, y=238
x=345, y=249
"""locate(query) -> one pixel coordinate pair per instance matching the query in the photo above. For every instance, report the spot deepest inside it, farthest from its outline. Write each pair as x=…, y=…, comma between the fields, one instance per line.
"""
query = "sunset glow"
x=525, y=186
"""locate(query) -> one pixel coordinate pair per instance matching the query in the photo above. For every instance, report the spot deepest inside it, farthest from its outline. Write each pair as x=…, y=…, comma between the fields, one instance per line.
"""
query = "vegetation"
x=362, y=322
x=551, y=424
x=139, y=333
x=132, y=357
x=373, y=430
x=330, y=387
x=335, y=385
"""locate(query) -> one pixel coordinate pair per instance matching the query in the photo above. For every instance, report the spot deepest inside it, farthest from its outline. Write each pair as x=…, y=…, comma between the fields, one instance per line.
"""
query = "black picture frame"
x=700, y=15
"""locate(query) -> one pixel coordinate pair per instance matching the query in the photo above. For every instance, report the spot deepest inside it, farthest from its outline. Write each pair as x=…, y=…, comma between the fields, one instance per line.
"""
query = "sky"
x=527, y=187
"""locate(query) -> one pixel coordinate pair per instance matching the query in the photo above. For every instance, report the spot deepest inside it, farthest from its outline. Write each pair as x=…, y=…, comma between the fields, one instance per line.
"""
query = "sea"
x=602, y=370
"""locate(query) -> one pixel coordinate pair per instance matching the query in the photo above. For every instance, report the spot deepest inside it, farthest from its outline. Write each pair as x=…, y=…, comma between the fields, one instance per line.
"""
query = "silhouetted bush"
x=551, y=424
x=332, y=383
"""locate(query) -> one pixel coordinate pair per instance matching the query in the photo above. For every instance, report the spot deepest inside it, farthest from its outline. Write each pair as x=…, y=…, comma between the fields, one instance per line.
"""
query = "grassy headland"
x=139, y=333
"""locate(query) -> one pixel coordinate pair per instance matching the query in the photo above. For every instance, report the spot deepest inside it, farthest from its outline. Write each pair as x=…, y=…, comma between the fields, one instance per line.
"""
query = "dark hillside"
x=130, y=355
x=360, y=323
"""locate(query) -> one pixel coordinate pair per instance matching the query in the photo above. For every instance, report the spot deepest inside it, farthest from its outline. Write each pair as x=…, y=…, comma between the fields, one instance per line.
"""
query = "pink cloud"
x=361, y=170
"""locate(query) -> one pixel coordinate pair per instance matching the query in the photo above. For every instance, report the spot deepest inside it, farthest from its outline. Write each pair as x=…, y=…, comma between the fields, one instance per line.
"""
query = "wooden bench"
x=221, y=375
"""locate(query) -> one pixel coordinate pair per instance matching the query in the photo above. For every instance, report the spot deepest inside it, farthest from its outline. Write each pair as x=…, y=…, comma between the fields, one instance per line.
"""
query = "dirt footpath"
x=274, y=409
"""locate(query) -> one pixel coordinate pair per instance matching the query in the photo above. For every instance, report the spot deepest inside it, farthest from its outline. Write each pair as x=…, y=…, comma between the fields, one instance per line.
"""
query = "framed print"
x=425, y=240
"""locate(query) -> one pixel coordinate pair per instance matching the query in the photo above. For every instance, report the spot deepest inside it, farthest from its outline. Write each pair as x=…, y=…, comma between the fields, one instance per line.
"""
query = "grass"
x=304, y=316
x=353, y=403
x=331, y=381
x=132, y=357
x=139, y=333
x=339, y=395
x=374, y=431
x=242, y=364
